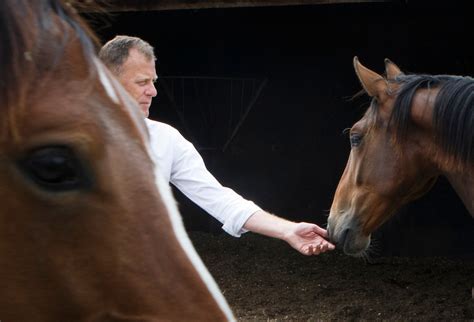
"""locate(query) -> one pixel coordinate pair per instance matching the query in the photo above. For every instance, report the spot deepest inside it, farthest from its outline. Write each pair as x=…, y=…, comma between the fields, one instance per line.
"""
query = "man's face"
x=138, y=77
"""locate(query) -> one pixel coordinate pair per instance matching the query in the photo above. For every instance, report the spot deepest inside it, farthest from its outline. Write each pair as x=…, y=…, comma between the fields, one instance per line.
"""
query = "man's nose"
x=151, y=90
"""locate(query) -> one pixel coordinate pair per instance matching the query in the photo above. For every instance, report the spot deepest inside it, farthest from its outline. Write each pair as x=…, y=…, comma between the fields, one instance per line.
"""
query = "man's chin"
x=145, y=109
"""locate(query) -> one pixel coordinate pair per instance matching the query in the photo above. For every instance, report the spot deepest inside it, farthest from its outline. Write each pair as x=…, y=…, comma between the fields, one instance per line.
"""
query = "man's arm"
x=306, y=238
x=190, y=176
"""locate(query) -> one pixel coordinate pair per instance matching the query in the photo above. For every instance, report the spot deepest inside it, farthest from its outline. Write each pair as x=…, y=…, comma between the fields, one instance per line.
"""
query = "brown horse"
x=418, y=127
x=88, y=230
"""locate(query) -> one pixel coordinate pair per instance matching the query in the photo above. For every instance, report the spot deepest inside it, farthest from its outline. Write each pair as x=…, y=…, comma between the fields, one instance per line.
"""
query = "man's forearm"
x=264, y=223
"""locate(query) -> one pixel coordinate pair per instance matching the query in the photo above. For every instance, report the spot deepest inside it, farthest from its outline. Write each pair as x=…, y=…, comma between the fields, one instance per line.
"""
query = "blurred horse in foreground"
x=88, y=230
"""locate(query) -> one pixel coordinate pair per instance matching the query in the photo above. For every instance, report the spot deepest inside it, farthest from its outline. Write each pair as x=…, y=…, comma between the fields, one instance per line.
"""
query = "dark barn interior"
x=265, y=92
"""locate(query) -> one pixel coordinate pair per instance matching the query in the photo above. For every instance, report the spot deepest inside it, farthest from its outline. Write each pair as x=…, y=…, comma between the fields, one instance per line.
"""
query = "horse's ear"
x=374, y=84
x=391, y=70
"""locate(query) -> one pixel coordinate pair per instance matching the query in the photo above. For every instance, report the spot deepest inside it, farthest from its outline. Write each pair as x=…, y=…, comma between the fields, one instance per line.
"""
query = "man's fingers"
x=324, y=247
x=316, y=249
x=312, y=250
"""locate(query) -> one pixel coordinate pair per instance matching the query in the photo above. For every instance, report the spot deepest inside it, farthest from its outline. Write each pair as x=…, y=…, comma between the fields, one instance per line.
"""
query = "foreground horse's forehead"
x=97, y=99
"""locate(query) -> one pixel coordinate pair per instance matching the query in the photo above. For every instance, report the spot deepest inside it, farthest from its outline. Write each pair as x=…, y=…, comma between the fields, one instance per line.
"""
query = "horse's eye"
x=355, y=139
x=54, y=168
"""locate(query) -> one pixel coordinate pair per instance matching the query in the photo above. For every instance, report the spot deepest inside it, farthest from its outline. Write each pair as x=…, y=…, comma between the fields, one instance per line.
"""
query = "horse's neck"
x=463, y=184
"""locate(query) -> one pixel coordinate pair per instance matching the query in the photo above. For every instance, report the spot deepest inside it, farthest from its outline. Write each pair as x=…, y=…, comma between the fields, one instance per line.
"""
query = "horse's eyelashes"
x=55, y=168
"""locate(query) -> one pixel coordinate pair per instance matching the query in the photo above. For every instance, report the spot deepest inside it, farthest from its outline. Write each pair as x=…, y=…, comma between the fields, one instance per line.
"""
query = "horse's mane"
x=28, y=50
x=453, y=114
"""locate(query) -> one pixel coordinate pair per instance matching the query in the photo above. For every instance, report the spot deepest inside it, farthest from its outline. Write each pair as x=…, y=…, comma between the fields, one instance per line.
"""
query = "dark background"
x=290, y=151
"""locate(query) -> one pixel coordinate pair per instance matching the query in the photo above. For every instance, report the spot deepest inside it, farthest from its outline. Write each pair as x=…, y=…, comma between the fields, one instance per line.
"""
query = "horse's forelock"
x=33, y=37
x=400, y=117
x=14, y=40
x=453, y=113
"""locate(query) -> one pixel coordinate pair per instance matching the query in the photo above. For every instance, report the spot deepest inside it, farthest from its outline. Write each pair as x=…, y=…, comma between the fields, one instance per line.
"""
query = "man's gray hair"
x=115, y=52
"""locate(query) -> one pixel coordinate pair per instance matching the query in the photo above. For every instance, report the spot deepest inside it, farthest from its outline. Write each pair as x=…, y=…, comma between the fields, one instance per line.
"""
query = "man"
x=132, y=61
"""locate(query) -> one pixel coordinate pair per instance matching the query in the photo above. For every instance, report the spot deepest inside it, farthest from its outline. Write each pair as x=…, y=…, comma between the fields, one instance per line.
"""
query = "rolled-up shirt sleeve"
x=190, y=175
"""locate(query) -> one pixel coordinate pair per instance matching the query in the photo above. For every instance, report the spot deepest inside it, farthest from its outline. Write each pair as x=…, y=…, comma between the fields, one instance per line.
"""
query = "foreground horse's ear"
x=374, y=84
x=391, y=70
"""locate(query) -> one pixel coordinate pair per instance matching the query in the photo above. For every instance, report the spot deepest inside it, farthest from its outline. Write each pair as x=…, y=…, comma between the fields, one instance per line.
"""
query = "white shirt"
x=182, y=165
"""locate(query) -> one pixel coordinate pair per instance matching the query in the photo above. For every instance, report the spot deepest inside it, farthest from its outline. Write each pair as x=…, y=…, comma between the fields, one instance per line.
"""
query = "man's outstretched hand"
x=308, y=239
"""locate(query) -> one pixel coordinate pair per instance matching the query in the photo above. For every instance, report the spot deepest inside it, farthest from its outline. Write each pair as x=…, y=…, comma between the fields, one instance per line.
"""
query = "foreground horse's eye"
x=355, y=139
x=54, y=168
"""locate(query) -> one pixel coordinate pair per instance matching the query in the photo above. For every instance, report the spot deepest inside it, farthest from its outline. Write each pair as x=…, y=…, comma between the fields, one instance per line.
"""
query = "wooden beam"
x=151, y=5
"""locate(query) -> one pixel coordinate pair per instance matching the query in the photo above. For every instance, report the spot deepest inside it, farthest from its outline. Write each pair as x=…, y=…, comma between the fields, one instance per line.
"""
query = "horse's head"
x=87, y=228
x=381, y=173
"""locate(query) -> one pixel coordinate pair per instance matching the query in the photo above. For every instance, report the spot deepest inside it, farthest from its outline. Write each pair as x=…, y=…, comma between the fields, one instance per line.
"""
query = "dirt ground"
x=264, y=280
